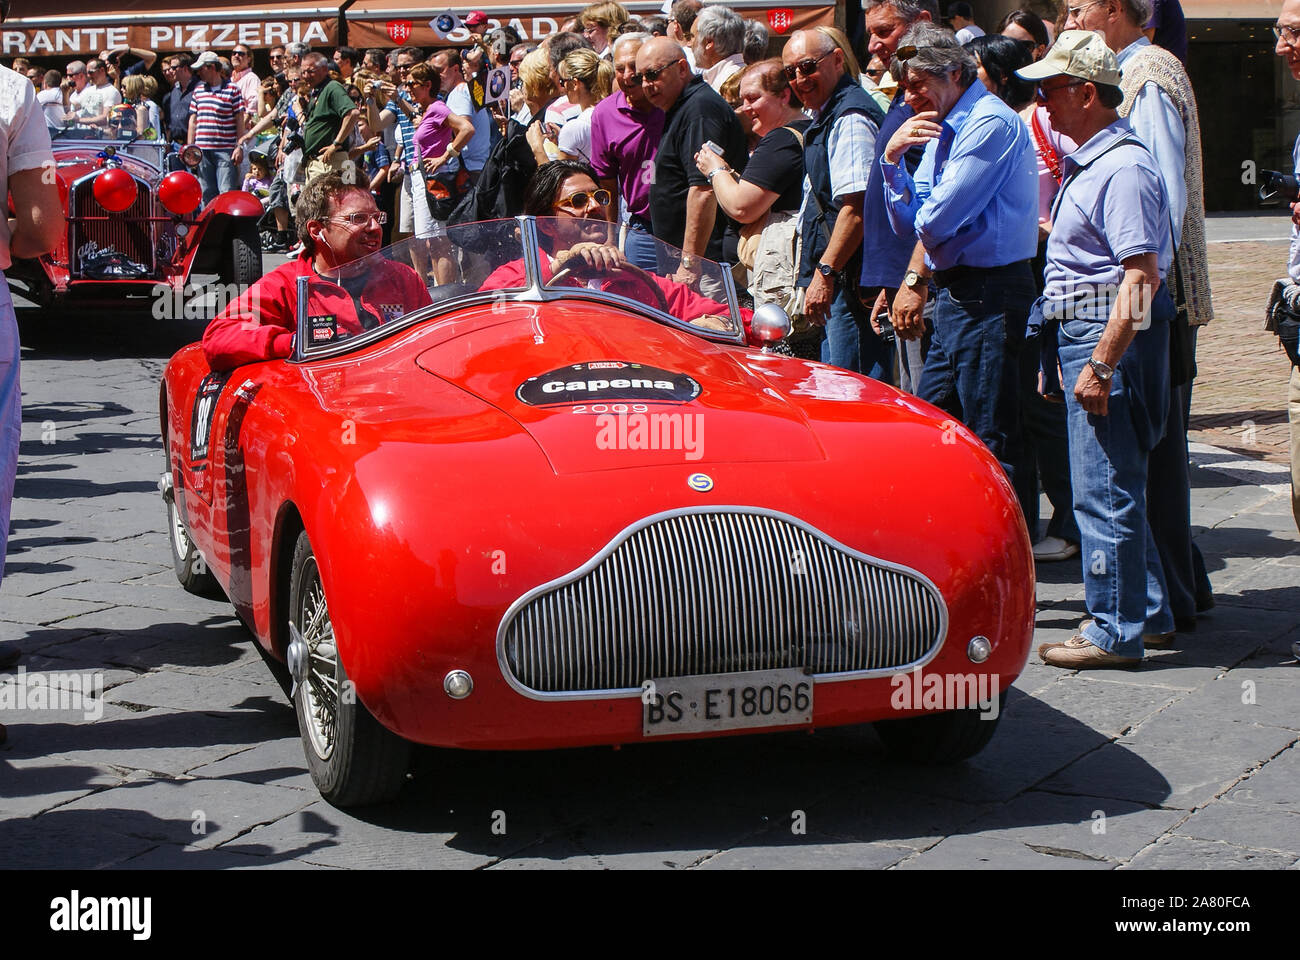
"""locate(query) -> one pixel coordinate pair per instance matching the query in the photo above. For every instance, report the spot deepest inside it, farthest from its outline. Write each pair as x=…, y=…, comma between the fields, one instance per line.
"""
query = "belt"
x=946, y=278
x=640, y=222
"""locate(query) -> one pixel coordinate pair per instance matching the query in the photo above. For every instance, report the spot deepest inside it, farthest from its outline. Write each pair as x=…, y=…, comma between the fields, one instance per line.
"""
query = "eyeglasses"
x=1075, y=11
x=362, y=219
x=582, y=199
x=903, y=54
x=239, y=53
x=875, y=74
x=1043, y=93
x=806, y=67
x=1290, y=35
x=653, y=73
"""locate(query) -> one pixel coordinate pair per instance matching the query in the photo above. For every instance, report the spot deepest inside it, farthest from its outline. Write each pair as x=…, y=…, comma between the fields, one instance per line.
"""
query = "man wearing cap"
x=216, y=124
x=1108, y=254
x=971, y=211
x=476, y=22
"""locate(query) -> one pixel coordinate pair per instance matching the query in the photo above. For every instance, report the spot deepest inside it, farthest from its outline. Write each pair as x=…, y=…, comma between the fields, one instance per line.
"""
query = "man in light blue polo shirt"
x=1108, y=254
x=972, y=211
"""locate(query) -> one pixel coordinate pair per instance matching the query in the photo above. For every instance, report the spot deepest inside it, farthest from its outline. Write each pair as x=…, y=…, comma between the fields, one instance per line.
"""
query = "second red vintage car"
x=574, y=508
x=138, y=233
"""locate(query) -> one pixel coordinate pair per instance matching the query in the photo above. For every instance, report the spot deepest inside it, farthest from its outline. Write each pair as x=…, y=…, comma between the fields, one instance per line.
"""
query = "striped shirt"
x=405, y=131
x=215, y=110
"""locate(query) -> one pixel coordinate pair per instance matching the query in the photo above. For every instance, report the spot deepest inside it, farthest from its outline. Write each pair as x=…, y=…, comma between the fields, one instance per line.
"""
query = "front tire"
x=191, y=570
x=243, y=263
x=939, y=738
x=352, y=758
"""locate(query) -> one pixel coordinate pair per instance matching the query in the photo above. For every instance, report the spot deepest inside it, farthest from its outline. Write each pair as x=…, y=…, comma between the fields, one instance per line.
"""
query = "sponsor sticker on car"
x=600, y=380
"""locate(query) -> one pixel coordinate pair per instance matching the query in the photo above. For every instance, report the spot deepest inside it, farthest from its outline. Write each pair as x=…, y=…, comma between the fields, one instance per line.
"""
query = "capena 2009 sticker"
x=602, y=380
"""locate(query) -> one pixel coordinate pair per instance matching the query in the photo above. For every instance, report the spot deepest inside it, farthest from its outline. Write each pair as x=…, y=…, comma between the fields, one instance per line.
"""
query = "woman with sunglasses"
x=577, y=236
x=587, y=80
x=765, y=199
x=439, y=139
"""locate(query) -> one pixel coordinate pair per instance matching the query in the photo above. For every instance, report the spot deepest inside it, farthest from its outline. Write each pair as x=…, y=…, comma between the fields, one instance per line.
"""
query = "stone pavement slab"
x=1184, y=853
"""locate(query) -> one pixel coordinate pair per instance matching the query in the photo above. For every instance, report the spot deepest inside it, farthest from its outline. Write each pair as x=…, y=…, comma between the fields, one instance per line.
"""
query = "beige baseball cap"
x=1076, y=53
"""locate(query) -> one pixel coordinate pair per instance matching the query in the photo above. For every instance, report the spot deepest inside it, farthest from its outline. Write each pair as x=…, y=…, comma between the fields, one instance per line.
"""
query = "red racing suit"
x=261, y=324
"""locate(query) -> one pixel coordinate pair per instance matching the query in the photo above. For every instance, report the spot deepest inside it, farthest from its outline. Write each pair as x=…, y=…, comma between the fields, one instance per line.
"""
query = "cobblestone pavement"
x=195, y=761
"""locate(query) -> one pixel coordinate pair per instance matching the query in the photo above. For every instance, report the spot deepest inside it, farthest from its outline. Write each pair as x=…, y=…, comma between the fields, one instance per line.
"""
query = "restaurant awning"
x=368, y=20
x=83, y=28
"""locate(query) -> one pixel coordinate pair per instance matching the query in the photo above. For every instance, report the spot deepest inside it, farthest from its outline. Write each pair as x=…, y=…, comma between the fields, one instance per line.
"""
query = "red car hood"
x=595, y=399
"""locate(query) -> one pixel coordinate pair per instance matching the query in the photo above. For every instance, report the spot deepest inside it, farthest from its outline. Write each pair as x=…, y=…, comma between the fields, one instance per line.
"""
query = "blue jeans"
x=851, y=344
x=972, y=368
x=639, y=248
x=1124, y=586
x=217, y=174
x=11, y=413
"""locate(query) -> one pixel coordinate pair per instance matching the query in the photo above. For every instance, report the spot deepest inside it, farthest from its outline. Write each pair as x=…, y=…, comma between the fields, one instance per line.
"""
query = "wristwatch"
x=688, y=262
x=826, y=270
x=1103, y=371
x=912, y=280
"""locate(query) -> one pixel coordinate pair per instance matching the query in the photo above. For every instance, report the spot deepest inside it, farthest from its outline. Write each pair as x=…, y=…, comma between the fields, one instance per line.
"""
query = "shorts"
x=420, y=224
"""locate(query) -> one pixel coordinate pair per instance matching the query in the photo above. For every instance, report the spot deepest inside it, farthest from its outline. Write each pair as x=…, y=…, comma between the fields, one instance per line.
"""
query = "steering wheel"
x=645, y=278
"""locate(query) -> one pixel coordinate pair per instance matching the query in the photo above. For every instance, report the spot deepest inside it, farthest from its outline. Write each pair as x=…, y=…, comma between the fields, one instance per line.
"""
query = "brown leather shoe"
x=1079, y=653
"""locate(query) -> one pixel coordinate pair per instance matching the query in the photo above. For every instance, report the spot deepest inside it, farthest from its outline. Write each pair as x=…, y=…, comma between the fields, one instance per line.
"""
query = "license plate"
x=726, y=701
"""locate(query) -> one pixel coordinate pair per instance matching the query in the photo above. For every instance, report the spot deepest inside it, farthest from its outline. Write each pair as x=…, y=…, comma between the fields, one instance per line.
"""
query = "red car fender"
x=204, y=244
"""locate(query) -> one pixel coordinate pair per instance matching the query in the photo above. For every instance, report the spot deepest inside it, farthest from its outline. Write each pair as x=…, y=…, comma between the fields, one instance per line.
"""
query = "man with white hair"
x=35, y=229
x=1160, y=104
x=719, y=44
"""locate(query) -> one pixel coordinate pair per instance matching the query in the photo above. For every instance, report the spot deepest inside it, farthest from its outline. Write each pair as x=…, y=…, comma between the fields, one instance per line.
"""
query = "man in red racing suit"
x=339, y=223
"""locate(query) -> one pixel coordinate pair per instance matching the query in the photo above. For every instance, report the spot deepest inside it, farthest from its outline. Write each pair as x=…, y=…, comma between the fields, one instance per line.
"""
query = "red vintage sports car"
x=563, y=509
x=137, y=232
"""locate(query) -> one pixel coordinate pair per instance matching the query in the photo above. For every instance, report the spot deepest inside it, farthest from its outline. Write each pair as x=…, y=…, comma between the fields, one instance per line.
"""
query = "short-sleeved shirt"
x=250, y=85
x=405, y=128
x=1112, y=206
x=433, y=133
x=51, y=102
x=92, y=100
x=329, y=105
x=698, y=115
x=476, y=151
x=623, y=145
x=777, y=165
x=180, y=104
x=575, y=137
x=215, y=109
x=24, y=137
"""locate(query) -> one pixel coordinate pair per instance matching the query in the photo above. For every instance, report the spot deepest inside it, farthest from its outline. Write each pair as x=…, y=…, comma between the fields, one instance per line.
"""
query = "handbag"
x=444, y=190
x=751, y=234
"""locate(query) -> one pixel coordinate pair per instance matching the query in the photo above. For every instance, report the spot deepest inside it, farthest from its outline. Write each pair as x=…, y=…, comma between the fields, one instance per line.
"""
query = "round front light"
x=180, y=192
x=114, y=189
x=979, y=649
x=191, y=156
x=458, y=684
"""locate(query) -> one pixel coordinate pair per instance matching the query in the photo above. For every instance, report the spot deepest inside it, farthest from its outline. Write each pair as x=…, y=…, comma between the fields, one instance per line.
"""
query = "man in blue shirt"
x=1108, y=254
x=972, y=208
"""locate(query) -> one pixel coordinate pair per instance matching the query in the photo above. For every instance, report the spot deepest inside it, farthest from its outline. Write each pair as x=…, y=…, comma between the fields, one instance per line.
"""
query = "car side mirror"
x=770, y=324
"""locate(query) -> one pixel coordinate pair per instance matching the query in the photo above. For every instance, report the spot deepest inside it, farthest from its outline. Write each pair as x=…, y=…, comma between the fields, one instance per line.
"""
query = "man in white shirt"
x=35, y=229
x=963, y=22
x=461, y=101
x=719, y=44
x=51, y=100
x=243, y=77
x=96, y=100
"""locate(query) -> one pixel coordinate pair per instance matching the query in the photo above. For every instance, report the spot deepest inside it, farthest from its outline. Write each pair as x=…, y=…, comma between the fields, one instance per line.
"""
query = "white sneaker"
x=1050, y=549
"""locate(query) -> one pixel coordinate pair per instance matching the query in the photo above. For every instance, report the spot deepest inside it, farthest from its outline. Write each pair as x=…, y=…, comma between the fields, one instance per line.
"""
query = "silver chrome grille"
x=718, y=590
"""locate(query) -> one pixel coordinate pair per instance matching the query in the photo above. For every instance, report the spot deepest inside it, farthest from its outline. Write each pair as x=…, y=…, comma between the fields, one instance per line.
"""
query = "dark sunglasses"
x=806, y=67
x=582, y=199
x=653, y=73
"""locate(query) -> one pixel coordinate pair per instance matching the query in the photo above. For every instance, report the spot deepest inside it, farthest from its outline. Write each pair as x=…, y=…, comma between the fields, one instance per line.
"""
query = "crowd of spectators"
x=903, y=214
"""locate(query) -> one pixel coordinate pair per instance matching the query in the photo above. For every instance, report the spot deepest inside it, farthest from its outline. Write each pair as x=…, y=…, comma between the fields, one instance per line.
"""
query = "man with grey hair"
x=1161, y=106
x=294, y=52
x=885, y=256
x=757, y=40
x=719, y=44
x=972, y=211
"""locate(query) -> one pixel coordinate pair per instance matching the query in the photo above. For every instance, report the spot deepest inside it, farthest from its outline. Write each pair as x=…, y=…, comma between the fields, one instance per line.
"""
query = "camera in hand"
x=1275, y=185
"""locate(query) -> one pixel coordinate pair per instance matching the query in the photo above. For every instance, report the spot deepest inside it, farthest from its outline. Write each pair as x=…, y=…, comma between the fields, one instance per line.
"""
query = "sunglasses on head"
x=653, y=73
x=805, y=67
x=582, y=199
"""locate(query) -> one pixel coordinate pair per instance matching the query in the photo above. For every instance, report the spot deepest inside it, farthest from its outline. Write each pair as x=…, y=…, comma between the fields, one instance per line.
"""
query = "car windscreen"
x=594, y=254
x=359, y=301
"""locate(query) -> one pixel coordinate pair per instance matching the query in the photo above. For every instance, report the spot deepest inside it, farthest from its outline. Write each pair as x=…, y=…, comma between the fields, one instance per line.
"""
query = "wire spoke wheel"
x=321, y=691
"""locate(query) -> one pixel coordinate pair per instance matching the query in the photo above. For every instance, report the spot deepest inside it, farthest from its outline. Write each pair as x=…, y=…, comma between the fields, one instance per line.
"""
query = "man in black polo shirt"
x=683, y=210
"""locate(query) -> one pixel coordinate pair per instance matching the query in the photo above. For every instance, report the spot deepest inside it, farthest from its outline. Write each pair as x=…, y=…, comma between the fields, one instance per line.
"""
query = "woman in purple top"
x=439, y=139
